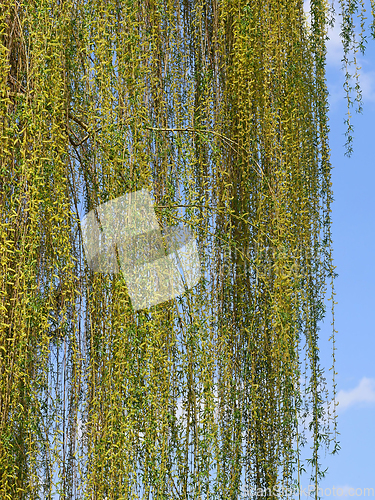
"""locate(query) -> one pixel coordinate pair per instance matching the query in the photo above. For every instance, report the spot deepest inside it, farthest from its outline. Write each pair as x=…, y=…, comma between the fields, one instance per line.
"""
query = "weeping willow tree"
x=219, y=110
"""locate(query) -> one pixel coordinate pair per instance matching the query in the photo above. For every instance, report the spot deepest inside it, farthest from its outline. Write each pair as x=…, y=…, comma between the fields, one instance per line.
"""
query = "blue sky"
x=354, y=244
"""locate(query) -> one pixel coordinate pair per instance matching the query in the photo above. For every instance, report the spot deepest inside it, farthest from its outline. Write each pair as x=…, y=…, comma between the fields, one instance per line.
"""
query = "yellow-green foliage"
x=219, y=108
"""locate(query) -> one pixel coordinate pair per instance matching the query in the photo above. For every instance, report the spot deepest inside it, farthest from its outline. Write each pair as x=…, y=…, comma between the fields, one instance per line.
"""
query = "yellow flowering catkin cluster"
x=219, y=109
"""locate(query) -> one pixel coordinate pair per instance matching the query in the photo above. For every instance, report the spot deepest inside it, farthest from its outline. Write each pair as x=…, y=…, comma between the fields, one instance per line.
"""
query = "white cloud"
x=345, y=489
x=335, y=54
x=306, y=8
x=80, y=426
x=335, y=51
x=334, y=44
x=367, y=83
x=363, y=393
